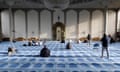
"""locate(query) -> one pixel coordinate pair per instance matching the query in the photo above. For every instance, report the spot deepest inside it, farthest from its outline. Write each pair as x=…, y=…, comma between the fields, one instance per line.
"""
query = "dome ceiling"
x=62, y=4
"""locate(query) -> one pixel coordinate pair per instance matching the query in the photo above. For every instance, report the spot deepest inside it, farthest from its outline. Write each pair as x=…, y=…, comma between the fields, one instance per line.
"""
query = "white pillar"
x=105, y=18
x=77, y=25
x=52, y=15
x=65, y=24
x=90, y=22
x=11, y=23
x=116, y=22
x=0, y=28
x=39, y=20
x=26, y=23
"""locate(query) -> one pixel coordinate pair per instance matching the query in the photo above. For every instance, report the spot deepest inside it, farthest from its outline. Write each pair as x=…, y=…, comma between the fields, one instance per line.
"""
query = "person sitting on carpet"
x=11, y=51
x=85, y=41
x=62, y=41
x=68, y=46
x=35, y=42
x=78, y=41
x=45, y=52
x=110, y=39
x=30, y=43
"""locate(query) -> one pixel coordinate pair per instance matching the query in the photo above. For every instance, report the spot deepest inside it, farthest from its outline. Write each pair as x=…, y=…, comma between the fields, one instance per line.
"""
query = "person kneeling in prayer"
x=11, y=51
x=45, y=52
x=68, y=46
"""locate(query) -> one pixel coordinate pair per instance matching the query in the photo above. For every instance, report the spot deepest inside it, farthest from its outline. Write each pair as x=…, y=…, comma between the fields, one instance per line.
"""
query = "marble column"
x=65, y=24
x=26, y=23
x=90, y=22
x=11, y=23
x=105, y=18
x=64, y=17
x=0, y=28
x=39, y=25
x=77, y=25
x=52, y=22
x=116, y=22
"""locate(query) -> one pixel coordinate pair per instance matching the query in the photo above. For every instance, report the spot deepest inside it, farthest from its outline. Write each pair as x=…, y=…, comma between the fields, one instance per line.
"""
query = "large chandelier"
x=56, y=4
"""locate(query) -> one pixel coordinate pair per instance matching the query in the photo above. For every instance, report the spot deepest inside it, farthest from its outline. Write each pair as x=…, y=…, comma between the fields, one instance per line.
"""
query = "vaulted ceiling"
x=71, y=3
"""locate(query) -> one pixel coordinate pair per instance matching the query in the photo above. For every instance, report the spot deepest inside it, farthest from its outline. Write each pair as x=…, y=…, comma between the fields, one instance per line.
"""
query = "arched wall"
x=118, y=25
x=83, y=23
x=97, y=23
x=110, y=26
x=5, y=23
x=46, y=31
x=71, y=24
x=32, y=23
x=20, y=26
x=39, y=23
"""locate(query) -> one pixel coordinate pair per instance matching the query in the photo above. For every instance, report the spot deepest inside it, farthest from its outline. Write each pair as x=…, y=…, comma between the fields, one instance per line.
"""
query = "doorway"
x=58, y=31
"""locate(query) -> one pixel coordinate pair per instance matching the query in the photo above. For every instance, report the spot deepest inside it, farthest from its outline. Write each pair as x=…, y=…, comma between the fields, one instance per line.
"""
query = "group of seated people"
x=34, y=43
x=45, y=52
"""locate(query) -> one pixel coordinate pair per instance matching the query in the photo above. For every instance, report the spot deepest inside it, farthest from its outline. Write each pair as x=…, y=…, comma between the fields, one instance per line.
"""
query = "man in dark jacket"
x=89, y=38
x=104, y=41
x=45, y=52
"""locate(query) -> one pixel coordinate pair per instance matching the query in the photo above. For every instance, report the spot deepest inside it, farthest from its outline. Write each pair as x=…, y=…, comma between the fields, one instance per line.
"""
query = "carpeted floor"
x=81, y=58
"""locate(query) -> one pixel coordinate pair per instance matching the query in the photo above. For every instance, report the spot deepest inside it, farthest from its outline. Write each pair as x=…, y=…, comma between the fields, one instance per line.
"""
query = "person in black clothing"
x=30, y=43
x=89, y=38
x=45, y=52
x=104, y=41
x=68, y=46
x=62, y=41
x=11, y=51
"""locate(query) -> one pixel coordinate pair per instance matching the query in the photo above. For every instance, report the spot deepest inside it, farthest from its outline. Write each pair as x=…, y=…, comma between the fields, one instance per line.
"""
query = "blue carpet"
x=80, y=58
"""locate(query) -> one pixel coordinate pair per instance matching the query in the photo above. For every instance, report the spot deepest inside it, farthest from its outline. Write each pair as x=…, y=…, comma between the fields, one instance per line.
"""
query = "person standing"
x=89, y=38
x=104, y=41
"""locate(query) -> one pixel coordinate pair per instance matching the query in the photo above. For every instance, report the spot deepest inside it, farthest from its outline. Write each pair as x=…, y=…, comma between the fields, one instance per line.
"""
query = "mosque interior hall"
x=59, y=35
